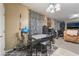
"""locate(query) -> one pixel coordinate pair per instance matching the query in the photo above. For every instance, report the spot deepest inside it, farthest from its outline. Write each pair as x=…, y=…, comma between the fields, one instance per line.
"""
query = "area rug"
x=25, y=52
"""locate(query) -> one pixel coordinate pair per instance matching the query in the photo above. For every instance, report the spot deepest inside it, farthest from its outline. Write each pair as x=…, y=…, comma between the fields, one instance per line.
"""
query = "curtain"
x=35, y=22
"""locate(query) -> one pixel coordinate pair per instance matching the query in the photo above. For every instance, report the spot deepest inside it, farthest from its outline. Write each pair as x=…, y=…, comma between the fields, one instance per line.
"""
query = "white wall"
x=2, y=29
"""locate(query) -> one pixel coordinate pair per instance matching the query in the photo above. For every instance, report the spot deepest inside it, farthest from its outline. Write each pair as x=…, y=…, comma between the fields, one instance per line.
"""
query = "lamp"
x=25, y=29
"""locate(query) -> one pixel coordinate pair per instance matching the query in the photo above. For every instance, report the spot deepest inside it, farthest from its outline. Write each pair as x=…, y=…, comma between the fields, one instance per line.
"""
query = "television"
x=73, y=25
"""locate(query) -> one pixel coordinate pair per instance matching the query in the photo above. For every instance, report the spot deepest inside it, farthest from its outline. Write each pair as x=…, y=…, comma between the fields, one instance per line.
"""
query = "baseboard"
x=9, y=50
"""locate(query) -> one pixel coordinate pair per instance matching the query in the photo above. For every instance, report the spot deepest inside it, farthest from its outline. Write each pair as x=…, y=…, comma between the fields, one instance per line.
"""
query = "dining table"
x=37, y=38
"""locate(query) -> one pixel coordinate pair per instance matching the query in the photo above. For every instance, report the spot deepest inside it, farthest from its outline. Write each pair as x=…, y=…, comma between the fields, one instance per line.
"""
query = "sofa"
x=71, y=35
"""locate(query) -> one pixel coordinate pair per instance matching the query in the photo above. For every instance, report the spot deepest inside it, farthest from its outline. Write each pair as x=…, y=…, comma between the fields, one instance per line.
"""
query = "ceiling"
x=67, y=9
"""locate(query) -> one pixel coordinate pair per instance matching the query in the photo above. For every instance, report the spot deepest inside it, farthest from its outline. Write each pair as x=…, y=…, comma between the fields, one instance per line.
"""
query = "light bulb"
x=57, y=9
x=57, y=6
x=52, y=11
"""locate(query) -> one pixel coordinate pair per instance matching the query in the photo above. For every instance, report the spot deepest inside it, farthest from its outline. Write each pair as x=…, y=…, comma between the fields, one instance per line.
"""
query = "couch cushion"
x=72, y=32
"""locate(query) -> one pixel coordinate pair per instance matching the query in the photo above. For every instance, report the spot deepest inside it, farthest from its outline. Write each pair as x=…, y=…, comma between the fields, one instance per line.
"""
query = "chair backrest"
x=45, y=30
x=53, y=32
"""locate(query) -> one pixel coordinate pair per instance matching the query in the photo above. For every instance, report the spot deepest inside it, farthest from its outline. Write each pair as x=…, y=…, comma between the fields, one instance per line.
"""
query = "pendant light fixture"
x=53, y=7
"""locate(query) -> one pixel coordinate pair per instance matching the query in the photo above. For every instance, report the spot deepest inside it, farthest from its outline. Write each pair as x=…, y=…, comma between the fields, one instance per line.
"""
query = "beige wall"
x=12, y=17
x=52, y=22
x=45, y=21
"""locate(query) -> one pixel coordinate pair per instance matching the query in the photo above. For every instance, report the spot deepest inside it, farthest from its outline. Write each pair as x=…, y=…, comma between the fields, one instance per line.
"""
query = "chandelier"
x=53, y=7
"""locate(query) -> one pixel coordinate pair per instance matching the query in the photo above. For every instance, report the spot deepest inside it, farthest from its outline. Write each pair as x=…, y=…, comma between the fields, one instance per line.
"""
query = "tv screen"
x=73, y=25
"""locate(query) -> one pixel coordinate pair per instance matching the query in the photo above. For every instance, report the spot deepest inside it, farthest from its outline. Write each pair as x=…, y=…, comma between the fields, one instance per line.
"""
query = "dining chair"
x=44, y=46
x=33, y=46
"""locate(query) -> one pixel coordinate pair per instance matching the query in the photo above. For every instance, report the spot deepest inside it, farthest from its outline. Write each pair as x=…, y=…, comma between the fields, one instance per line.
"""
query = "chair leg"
x=31, y=51
x=36, y=52
x=50, y=45
x=50, y=48
x=46, y=50
x=41, y=49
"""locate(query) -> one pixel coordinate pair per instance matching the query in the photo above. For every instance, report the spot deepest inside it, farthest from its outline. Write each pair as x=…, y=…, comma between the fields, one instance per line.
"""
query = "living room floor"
x=73, y=47
x=64, y=49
